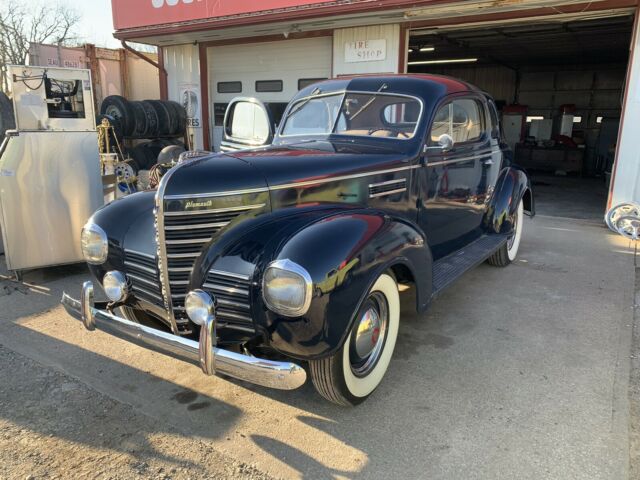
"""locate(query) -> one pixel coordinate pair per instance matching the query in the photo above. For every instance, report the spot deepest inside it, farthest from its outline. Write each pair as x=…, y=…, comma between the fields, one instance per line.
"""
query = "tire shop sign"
x=365, y=51
x=190, y=100
x=141, y=13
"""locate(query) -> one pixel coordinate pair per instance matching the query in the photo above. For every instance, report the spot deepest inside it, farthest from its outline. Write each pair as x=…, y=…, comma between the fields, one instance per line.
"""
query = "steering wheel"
x=396, y=132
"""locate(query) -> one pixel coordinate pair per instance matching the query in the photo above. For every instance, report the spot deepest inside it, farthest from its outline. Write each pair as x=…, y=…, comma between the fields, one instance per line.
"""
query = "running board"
x=450, y=268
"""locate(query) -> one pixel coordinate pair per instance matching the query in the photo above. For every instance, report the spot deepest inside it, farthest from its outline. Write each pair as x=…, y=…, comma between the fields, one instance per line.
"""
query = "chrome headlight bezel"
x=293, y=271
x=95, y=252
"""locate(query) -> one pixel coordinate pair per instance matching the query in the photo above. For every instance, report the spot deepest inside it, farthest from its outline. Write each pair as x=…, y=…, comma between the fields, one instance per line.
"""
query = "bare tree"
x=21, y=24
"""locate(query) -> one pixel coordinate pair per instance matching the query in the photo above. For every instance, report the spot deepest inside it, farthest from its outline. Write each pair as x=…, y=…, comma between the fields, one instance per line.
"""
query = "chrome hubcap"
x=369, y=334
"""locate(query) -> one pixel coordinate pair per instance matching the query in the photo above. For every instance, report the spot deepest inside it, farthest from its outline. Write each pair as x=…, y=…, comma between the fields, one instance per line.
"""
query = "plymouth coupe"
x=273, y=263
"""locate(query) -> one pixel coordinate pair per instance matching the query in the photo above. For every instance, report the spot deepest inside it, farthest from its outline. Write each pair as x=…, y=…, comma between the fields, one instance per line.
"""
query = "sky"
x=96, y=24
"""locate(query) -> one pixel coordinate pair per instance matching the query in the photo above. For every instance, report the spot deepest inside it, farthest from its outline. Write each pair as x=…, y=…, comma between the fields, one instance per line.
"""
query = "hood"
x=212, y=174
x=275, y=166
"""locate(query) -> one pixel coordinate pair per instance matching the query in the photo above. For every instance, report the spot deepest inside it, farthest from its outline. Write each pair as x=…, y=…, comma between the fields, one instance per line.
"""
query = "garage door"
x=270, y=71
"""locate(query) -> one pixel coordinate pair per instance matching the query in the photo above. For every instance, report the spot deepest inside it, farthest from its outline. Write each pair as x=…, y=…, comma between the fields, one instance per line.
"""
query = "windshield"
x=362, y=114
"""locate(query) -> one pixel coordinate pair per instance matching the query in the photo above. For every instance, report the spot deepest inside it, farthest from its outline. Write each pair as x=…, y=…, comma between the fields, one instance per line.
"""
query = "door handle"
x=488, y=161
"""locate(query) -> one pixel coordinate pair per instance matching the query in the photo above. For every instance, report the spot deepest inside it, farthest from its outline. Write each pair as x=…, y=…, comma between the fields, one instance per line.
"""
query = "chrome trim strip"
x=230, y=274
x=235, y=316
x=390, y=192
x=188, y=242
x=344, y=177
x=216, y=210
x=183, y=255
x=191, y=226
x=180, y=282
x=230, y=290
x=147, y=292
x=229, y=303
x=216, y=194
x=140, y=267
x=464, y=159
x=261, y=371
x=141, y=279
x=180, y=269
x=388, y=182
x=135, y=252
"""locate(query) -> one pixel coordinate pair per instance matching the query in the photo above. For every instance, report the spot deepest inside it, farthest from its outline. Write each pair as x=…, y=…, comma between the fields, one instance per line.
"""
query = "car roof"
x=419, y=85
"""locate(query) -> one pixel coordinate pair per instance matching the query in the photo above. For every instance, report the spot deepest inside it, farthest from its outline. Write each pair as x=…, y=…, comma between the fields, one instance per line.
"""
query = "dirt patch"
x=52, y=426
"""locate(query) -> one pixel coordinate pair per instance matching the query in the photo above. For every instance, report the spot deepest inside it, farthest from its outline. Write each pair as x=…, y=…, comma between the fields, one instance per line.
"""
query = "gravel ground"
x=634, y=389
x=52, y=426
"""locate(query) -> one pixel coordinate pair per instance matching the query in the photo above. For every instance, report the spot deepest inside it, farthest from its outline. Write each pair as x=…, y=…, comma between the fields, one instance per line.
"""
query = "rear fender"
x=513, y=185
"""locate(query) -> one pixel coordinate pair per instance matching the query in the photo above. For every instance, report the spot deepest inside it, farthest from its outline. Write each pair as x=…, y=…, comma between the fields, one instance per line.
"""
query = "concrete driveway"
x=513, y=373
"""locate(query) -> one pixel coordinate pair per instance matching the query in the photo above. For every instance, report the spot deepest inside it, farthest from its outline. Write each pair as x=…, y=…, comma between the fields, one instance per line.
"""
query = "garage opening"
x=559, y=86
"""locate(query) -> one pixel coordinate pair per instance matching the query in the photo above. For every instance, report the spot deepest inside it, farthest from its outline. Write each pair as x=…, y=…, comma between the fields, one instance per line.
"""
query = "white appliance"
x=541, y=129
x=50, y=181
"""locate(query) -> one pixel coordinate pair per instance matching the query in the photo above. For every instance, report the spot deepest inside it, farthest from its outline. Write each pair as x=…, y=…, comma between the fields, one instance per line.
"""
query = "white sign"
x=190, y=100
x=365, y=51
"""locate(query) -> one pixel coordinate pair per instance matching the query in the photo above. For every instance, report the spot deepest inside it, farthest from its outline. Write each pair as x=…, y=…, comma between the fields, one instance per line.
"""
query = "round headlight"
x=199, y=306
x=94, y=244
x=287, y=288
x=115, y=286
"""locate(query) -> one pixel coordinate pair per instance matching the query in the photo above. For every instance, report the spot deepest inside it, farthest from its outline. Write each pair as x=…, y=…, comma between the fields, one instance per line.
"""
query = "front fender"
x=343, y=249
x=513, y=185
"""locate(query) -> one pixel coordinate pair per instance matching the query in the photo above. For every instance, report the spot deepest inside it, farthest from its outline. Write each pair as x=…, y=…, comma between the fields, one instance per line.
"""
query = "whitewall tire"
x=352, y=374
x=509, y=251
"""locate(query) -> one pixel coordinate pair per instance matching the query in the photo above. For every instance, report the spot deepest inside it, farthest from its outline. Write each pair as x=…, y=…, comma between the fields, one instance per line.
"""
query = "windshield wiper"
x=299, y=106
x=384, y=86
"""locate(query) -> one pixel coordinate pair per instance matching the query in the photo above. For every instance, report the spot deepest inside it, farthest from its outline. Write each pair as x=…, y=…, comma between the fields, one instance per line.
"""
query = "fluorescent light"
x=427, y=49
x=452, y=60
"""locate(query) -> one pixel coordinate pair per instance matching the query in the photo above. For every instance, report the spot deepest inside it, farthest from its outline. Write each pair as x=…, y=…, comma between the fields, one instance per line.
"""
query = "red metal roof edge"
x=274, y=15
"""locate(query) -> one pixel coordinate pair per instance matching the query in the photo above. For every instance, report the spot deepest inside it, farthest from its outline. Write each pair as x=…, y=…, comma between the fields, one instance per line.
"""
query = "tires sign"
x=190, y=100
x=142, y=13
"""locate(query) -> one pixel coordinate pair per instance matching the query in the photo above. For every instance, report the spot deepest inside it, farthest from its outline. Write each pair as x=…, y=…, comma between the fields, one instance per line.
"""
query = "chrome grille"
x=142, y=271
x=232, y=292
x=185, y=235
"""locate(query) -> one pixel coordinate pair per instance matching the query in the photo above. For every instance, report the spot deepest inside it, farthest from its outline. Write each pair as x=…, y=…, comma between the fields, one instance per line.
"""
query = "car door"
x=455, y=175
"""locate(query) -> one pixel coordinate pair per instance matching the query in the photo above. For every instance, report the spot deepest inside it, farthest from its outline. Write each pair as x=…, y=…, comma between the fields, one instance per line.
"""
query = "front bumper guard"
x=268, y=373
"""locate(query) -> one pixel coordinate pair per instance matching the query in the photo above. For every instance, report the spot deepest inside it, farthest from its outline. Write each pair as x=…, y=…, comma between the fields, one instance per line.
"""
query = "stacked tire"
x=146, y=118
x=145, y=155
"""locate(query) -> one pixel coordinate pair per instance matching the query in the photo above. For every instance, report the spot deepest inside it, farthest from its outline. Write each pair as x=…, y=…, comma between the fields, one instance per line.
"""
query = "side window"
x=467, y=121
x=441, y=123
x=461, y=119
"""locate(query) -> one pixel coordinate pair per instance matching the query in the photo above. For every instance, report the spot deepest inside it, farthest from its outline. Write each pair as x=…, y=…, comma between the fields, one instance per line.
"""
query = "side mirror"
x=445, y=142
x=248, y=123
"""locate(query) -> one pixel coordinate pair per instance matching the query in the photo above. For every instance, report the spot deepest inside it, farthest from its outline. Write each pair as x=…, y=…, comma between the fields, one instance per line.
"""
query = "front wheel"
x=352, y=374
x=509, y=251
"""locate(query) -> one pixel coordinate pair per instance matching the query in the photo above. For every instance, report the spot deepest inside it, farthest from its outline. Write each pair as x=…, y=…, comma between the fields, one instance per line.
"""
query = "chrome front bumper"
x=268, y=373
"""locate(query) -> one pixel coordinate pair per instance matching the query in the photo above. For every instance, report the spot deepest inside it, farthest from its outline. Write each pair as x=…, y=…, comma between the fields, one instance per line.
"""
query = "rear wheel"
x=352, y=374
x=509, y=251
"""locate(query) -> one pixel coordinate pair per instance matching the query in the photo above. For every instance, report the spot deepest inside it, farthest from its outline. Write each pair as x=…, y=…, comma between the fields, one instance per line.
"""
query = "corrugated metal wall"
x=182, y=63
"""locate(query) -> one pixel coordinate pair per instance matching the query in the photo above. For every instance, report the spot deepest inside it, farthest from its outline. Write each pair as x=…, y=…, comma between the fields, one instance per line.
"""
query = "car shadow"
x=24, y=302
x=376, y=433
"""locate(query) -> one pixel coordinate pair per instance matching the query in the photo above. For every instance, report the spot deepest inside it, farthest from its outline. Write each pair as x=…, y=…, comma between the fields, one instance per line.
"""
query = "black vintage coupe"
x=255, y=263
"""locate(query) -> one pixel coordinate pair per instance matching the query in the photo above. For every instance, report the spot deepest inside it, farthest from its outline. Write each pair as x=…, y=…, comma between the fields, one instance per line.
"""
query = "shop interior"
x=559, y=87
